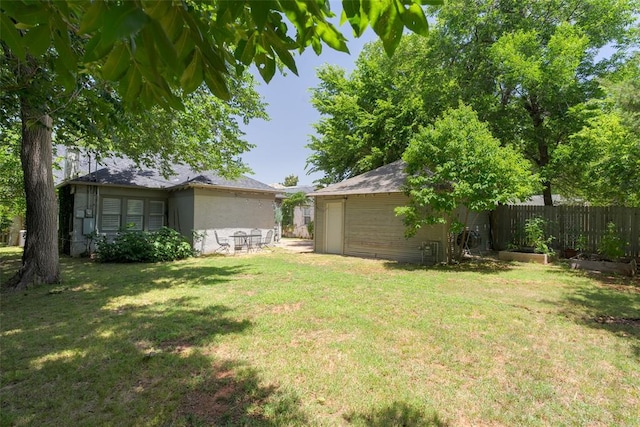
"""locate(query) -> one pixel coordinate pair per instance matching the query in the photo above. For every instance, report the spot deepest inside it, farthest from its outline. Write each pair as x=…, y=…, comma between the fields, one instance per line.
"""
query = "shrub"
x=611, y=246
x=534, y=230
x=165, y=244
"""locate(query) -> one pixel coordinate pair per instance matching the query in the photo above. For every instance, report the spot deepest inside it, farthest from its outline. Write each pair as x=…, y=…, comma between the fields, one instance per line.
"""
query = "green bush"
x=612, y=245
x=165, y=244
x=534, y=231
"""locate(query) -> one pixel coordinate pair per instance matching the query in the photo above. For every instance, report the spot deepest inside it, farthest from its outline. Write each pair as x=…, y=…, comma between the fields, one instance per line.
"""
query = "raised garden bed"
x=627, y=268
x=525, y=257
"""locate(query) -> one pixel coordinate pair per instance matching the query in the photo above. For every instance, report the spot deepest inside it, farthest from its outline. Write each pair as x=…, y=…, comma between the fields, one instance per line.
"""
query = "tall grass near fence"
x=567, y=224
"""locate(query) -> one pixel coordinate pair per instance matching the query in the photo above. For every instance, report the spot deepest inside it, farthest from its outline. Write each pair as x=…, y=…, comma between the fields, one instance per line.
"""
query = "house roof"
x=385, y=179
x=124, y=172
x=284, y=192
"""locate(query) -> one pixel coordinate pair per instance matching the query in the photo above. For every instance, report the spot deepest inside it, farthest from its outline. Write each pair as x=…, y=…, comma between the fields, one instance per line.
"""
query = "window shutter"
x=135, y=207
x=156, y=215
x=135, y=214
x=111, y=206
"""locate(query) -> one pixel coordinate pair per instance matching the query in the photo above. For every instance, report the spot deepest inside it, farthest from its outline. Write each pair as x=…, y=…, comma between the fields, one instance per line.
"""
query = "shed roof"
x=385, y=179
x=124, y=172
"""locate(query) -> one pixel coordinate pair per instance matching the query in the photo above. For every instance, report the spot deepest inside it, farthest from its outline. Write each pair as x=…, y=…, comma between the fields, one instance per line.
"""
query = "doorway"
x=334, y=227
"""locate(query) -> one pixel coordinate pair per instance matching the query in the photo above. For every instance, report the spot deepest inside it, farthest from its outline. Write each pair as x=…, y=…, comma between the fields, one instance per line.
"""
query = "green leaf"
x=30, y=14
x=11, y=37
x=388, y=26
x=66, y=56
x=266, y=66
x=117, y=63
x=246, y=50
x=158, y=9
x=172, y=24
x=316, y=45
x=193, y=74
x=414, y=19
x=166, y=50
x=352, y=11
x=282, y=52
x=184, y=46
x=38, y=39
x=64, y=74
x=229, y=11
x=95, y=49
x=131, y=85
x=260, y=12
x=332, y=37
x=93, y=18
x=216, y=83
x=125, y=20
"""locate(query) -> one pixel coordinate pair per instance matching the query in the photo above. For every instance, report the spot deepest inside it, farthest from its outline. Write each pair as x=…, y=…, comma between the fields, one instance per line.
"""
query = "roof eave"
x=220, y=187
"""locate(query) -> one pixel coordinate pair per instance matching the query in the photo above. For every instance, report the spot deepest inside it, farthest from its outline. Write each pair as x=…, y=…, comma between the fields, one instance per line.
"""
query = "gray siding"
x=372, y=229
x=181, y=213
x=319, y=215
x=87, y=205
x=224, y=209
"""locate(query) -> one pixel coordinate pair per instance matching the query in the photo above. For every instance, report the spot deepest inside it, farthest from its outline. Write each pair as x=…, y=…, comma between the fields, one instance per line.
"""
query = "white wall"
x=228, y=212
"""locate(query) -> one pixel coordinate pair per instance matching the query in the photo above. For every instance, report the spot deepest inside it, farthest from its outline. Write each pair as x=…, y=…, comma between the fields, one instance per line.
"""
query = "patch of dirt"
x=296, y=245
x=286, y=308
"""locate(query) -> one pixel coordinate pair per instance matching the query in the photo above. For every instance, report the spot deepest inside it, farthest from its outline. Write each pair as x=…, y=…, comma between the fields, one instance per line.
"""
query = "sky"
x=280, y=142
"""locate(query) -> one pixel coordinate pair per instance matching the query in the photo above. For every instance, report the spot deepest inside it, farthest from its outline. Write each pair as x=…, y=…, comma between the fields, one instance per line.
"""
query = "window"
x=110, y=214
x=156, y=215
x=135, y=214
x=131, y=214
x=306, y=213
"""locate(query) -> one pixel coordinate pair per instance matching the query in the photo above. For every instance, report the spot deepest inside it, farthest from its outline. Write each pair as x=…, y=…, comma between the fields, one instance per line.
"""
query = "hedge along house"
x=356, y=217
x=119, y=195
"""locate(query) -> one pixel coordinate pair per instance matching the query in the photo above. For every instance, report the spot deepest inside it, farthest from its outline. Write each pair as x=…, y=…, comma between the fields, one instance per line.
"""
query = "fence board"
x=566, y=223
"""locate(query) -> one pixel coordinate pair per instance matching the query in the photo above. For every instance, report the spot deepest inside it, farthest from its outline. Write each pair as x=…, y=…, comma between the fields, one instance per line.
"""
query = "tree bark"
x=537, y=118
x=40, y=262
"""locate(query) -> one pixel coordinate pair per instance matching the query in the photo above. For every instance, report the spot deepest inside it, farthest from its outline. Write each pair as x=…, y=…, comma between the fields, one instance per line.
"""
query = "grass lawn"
x=305, y=339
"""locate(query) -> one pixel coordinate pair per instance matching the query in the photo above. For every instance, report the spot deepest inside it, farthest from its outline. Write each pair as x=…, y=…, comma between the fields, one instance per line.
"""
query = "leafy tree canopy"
x=150, y=48
x=290, y=180
x=521, y=65
x=12, y=200
x=457, y=162
x=290, y=203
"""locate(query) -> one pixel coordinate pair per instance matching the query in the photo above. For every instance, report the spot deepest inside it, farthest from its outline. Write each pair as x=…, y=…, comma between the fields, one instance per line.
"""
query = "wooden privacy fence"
x=566, y=224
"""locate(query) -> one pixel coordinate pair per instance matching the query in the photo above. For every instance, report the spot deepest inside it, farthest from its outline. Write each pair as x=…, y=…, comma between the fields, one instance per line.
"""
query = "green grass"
x=306, y=339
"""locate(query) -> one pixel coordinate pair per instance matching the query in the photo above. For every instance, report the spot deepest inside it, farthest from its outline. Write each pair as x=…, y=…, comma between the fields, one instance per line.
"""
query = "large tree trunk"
x=537, y=118
x=40, y=263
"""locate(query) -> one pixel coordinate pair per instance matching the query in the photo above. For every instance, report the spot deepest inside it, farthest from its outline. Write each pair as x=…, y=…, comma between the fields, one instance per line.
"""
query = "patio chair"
x=239, y=241
x=223, y=244
x=255, y=238
x=267, y=240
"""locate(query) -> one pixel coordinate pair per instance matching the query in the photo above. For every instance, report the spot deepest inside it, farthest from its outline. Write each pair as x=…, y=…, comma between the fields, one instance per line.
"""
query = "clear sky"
x=280, y=143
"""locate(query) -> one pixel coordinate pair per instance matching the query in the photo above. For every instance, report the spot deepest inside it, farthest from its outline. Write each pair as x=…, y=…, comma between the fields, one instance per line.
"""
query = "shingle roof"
x=123, y=172
x=284, y=192
x=385, y=179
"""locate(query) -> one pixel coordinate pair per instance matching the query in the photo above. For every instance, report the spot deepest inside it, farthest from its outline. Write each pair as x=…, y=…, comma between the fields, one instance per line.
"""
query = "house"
x=302, y=215
x=117, y=194
x=356, y=217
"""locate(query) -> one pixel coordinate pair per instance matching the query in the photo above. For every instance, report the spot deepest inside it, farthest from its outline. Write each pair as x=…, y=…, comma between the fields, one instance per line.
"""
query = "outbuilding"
x=356, y=217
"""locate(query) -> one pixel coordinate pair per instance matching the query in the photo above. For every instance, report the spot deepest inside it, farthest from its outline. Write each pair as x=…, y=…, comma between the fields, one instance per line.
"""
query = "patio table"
x=250, y=241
